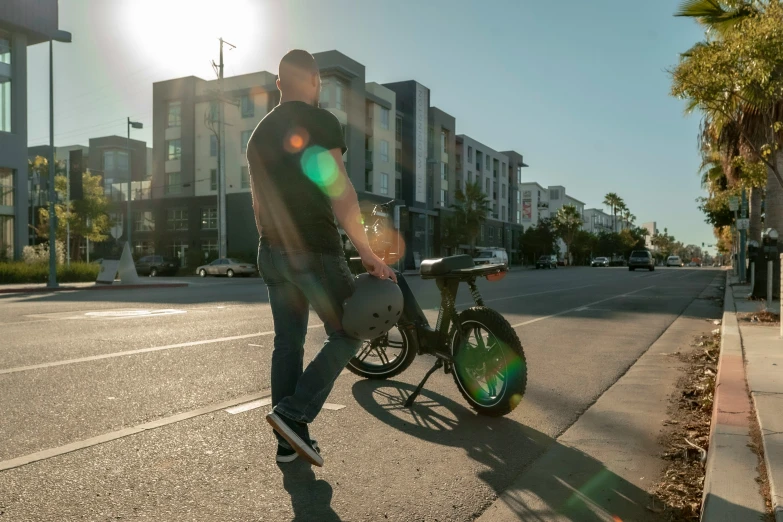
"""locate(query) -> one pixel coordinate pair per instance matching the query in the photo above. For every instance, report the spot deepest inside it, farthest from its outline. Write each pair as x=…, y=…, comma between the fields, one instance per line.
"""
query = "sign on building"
x=422, y=123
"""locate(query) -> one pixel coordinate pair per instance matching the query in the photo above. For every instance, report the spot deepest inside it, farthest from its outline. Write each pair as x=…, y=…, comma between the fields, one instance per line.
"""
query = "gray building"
x=22, y=23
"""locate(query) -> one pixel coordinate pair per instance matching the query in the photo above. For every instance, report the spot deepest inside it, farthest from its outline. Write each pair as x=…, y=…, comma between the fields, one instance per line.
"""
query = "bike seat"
x=445, y=265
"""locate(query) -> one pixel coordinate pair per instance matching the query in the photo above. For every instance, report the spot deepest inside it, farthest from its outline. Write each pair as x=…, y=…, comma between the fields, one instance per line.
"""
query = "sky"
x=580, y=88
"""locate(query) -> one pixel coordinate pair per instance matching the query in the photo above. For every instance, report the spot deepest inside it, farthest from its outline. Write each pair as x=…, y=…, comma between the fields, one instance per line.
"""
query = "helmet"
x=373, y=309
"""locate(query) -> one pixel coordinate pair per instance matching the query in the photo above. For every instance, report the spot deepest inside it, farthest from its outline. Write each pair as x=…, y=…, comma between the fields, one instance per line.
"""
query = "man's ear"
x=277, y=82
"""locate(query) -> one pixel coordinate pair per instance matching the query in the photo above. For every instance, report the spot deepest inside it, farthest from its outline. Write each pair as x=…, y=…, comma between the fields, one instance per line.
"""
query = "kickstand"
x=417, y=391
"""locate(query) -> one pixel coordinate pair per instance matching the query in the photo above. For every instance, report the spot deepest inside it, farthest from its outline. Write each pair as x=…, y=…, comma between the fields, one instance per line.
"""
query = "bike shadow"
x=311, y=498
x=564, y=484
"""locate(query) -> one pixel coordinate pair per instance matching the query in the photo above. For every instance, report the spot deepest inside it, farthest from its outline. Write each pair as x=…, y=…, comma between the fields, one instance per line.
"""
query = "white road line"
x=537, y=319
x=267, y=401
x=134, y=352
x=114, y=435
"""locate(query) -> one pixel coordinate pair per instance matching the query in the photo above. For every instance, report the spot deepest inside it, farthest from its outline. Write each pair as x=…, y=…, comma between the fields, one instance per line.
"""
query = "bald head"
x=298, y=77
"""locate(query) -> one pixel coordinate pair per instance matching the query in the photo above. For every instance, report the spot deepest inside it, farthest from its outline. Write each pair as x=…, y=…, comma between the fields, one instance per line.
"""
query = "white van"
x=491, y=256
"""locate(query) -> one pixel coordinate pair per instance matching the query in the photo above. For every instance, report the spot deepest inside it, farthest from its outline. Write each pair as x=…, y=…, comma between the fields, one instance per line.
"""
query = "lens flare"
x=319, y=165
x=497, y=365
x=296, y=140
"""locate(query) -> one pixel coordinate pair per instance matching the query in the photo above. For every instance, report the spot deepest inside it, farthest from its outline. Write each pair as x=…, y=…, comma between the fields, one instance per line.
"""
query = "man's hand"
x=376, y=267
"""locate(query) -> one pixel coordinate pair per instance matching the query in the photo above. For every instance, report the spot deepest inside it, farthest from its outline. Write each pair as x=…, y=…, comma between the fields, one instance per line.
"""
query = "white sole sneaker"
x=297, y=443
x=293, y=455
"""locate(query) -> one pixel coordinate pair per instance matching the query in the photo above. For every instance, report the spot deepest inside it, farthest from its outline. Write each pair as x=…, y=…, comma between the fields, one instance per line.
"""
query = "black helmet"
x=373, y=309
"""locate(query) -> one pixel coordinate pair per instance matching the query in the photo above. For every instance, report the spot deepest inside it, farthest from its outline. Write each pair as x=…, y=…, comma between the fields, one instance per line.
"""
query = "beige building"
x=380, y=145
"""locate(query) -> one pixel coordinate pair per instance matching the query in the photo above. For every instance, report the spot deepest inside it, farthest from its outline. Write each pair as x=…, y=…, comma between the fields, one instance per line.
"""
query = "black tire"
x=652, y=268
x=229, y=273
x=153, y=272
x=202, y=273
x=506, y=355
x=359, y=365
x=631, y=269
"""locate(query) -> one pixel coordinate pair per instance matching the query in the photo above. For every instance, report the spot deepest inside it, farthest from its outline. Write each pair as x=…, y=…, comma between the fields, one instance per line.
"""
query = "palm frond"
x=713, y=14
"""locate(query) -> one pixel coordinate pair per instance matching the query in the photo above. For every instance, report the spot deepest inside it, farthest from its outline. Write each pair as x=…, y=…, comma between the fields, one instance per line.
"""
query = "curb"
x=730, y=489
x=37, y=289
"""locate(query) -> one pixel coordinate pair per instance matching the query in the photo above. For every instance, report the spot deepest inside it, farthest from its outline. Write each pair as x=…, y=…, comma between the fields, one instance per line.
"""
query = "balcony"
x=368, y=160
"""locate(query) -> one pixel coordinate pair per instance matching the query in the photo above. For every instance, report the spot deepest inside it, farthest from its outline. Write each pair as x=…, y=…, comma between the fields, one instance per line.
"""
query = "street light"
x=135, y=125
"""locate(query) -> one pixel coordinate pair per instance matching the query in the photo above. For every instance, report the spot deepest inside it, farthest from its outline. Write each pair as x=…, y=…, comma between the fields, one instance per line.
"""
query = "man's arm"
x=345, y=204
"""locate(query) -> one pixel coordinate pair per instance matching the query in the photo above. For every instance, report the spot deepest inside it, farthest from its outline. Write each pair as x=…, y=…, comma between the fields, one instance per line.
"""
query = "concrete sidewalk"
x=763, y=350
x=750, y=373
x=27, y=288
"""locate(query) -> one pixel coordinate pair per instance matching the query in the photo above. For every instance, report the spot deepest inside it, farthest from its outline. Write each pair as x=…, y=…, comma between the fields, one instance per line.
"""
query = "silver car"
x=228, y=267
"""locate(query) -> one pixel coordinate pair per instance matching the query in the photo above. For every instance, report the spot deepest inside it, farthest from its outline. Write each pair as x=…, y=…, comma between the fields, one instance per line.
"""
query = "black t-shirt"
x=292, y=175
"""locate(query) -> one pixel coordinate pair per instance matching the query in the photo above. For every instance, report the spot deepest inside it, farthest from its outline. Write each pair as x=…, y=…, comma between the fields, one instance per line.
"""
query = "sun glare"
x=184, y=33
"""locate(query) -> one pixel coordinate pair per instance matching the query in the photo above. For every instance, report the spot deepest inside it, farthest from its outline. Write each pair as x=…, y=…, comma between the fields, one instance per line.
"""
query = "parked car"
x=157, y=265
x=491, y=256
x=674, y=261
x=546, y=262
x=228, y=267
x=641, y=259
x=600, y=261
x=693, y=264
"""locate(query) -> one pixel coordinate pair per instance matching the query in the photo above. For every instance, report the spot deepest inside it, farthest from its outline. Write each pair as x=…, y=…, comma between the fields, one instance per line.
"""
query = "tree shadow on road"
x=565, y=484
x=311, y=499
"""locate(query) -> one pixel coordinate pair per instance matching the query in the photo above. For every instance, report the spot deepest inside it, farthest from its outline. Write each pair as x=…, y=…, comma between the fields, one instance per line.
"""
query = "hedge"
x=20, y=272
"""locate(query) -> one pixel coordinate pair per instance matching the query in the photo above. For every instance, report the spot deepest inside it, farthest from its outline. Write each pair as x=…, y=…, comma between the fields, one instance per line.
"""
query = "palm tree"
x=568, y=221
x=470, y=210
x=612, y=200
x=620, y=211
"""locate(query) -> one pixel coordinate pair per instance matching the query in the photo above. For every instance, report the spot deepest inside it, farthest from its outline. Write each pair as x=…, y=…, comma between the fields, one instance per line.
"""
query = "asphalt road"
x=137, y=383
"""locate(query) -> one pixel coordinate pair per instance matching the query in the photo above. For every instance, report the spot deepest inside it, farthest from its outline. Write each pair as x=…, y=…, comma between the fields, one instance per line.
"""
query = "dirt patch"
x=763, y=318
x=678, y=494
x=757, y=446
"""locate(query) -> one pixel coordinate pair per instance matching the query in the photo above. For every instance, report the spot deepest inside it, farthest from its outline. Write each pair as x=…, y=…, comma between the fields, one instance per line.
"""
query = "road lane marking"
x=131, y=314
x=468, y=303
x=134, y=352
x=248, y=406
x=537, y=319
x=125, y=432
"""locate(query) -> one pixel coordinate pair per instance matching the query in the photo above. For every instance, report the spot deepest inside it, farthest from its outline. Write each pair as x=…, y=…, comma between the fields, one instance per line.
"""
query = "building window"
x=143, y=221
x=175, y=114
x=491, y=232
x=339, y=102
x=398, y=129
x=178, y=250
x=209, y=248
x=503, y=191
x=5, y=105
x=443, y=171
x=503, y=213
x=470, y=154
x=368, y=181
x=174, y=149
x=519, y=174
x=443, y=201
x=213, y=179
x=398, y=160
x=459, y=184
x=488, y=161
x=244, y=178
x=384, y=118
x=384, y=183
x=7, y=236
x=470, y=177
x=554, y=194
x=487, y=186
x=173, y=183
x=213, y=145
x=398, y=188
x=213, y=111
x=5, y=48
x=115, y=165
x=209, y=219
x=444, y=141
x=244, y=139
x=519, y=216
x=384, y=154
x=177, y=219
x=247, y=106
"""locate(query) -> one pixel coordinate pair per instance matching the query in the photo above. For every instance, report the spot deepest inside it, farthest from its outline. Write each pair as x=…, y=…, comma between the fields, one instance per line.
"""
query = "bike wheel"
x=490, y=369
x=385, y=356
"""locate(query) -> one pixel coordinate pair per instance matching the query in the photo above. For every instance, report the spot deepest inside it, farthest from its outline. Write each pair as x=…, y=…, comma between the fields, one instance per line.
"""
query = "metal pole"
x=769, y=285
x=52, y=283
x=130, y=175
x=752, y=276
x=781, y=301
x=743, y=205
x=68, y=210
x=222, y=242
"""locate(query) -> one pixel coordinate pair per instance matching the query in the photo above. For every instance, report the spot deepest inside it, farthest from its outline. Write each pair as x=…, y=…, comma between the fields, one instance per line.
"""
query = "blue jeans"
x=296, y=280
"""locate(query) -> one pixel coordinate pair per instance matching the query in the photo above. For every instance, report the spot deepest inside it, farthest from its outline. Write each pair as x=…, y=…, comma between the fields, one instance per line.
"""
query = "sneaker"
x=288, y=455
x=293, y=432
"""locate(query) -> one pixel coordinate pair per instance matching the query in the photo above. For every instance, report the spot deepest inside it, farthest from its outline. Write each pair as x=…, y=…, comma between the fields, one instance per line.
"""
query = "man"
x=299, y=185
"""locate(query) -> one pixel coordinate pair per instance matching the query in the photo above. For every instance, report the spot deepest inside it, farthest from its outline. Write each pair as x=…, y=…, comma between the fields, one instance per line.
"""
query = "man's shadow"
x=311, y=498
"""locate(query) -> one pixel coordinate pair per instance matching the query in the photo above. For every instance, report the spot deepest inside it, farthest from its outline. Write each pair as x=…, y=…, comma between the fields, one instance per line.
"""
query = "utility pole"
x=135, y=125
x=52, y=283
x=221, y=155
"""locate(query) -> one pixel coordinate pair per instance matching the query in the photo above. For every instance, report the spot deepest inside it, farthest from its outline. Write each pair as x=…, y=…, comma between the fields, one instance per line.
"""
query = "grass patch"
x=21, y=273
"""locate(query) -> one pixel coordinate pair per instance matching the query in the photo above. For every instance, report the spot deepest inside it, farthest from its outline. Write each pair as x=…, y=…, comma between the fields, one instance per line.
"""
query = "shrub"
x=20, y=272
x=40, y=253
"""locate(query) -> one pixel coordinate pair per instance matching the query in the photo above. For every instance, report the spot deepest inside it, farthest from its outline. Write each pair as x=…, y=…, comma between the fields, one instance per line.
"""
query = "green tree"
x=88, y=217
x=583, y=246
x=567, y=222
x=452, y=233
x=470, y=211
x=539, y=240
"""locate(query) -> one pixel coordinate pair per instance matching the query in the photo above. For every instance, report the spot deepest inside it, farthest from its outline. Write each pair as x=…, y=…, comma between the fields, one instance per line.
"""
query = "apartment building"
x=596, y=221
x=652, y=229
x=22, y=24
